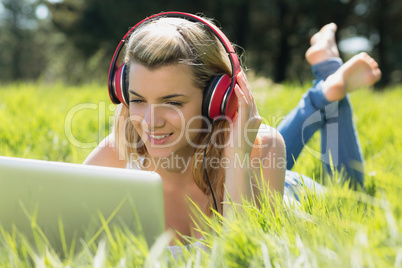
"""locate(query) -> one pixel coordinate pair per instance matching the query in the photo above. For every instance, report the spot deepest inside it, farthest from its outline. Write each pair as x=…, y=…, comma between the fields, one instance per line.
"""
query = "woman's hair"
x=166, y=41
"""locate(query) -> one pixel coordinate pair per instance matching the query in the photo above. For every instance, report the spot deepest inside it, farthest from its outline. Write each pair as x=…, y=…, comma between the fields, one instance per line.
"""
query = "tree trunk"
x=381, y=47
x=286, y=18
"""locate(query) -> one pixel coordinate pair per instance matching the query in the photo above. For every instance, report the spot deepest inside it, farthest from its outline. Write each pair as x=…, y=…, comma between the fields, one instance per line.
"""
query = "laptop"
x=47, y=199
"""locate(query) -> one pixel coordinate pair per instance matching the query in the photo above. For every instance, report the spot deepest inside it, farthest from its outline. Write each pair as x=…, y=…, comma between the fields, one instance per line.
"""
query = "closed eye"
x=175, y=103
x=172, y=103
x=137, y=101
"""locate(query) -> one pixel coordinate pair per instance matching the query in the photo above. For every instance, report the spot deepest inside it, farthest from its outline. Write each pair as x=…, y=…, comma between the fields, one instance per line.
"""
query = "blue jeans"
x=340, y=145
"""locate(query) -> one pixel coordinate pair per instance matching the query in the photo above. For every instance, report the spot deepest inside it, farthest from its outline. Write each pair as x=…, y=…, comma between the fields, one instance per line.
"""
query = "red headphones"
x=219, y=97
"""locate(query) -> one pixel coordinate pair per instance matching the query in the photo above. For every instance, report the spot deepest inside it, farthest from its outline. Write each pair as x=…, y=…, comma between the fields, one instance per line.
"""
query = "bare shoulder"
x=106, y=154
x=268, y=140
x=270, y=153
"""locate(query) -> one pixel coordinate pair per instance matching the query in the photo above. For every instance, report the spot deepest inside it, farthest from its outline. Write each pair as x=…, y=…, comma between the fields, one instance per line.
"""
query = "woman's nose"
x=153, y=117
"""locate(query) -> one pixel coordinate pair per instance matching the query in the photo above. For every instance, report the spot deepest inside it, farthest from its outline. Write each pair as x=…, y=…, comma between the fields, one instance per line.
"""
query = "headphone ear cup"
x=125, y=84
x=120, y=85
x=209, y=90
x=216, y=97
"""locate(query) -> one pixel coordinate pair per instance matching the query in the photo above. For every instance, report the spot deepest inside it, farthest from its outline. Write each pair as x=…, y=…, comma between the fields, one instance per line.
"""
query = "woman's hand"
x=245, y=125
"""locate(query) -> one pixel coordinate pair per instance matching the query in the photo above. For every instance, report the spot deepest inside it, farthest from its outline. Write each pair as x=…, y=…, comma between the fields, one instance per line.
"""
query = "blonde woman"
x=170, y=61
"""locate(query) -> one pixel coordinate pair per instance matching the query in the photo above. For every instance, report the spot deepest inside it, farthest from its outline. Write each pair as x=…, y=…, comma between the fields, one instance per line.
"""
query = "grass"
x=55, y=123
x=343, y=228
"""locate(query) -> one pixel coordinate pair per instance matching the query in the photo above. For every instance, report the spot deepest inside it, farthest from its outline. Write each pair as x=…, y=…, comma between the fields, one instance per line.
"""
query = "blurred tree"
x=79, y=42
x=95, y=27
x=281, y=30
x=384, y=21
x=22, y=54
x=98, y=25
x=379, y=22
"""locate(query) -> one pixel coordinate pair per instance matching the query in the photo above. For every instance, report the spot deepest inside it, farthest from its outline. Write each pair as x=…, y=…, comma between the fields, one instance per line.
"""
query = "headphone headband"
x=234, y=62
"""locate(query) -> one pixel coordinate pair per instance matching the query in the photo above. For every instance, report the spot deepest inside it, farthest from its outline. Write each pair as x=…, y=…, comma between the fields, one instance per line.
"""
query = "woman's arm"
x=243, y=132
x=253, y=160
x=106, y=154
x=268, y=163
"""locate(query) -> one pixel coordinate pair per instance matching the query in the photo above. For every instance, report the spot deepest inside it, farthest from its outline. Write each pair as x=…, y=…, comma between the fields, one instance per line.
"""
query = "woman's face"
x=165, y=108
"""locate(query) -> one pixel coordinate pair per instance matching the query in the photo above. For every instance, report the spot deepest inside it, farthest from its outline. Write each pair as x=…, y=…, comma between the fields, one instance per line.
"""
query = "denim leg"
x=302, y=122
x=339, y=140
x=322, y=70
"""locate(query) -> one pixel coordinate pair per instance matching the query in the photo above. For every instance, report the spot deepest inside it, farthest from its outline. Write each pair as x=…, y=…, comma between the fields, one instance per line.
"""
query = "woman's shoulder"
x=106, y=154
x=268, y=132
x=268, y=138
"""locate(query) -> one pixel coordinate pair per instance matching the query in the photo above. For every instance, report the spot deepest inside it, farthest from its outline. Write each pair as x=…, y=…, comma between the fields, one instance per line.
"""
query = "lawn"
x=343, y=228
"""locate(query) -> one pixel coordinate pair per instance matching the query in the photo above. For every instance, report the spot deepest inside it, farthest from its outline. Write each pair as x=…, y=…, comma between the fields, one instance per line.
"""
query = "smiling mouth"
x=159, y=137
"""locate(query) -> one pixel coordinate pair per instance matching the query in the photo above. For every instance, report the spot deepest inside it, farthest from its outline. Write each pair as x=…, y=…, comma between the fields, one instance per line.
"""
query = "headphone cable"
x=205, y=164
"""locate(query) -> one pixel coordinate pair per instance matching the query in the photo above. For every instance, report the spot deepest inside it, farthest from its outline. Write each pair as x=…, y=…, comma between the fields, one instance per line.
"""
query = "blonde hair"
x=166, y=41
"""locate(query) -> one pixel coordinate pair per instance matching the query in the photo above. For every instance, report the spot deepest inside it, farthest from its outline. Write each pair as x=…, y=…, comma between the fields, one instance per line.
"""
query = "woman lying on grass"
x=163, y=128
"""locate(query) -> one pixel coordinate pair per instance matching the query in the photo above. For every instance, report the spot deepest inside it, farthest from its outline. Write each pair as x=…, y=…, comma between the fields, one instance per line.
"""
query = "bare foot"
x=360, y=71
x=323, y=45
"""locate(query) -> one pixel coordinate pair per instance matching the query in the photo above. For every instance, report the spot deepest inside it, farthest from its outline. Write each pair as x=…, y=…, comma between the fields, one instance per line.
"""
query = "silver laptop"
x=78, y=201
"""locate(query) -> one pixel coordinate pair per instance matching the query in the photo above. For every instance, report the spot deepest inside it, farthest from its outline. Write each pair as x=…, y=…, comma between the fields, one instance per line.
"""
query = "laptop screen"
x=78, y=200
